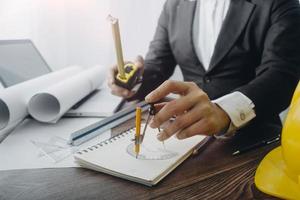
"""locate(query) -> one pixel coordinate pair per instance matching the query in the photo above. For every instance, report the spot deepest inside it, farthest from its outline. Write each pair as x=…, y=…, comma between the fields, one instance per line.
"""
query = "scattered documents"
x=34, y=145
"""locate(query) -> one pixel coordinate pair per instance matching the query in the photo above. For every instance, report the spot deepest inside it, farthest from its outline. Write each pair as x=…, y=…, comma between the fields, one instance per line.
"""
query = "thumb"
x=139, y=61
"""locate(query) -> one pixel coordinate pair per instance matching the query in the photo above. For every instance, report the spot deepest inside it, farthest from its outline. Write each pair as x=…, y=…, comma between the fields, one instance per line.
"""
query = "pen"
x=138, y=117
x=256, y=145
x=85, y=99
x=120, y=105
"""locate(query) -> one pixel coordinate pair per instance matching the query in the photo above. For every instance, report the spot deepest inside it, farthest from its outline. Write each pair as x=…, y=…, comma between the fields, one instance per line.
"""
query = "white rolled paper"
x=50, y=104
x=13, y=100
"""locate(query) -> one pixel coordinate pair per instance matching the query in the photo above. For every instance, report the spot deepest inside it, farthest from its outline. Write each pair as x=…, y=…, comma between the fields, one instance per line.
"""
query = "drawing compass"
x=151, y=112
x=139, y=138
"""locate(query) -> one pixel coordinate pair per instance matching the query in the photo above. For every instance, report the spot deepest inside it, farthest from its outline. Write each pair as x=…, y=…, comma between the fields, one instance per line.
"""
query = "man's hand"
x=194, y=112
x=117, y=90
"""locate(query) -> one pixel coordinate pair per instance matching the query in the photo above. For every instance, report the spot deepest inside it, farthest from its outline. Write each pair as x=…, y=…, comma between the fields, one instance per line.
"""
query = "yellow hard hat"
x=279, y=172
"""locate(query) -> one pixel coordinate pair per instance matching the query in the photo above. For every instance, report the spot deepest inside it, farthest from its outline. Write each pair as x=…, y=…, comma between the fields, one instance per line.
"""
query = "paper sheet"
x=50, y=104
x=6, y=131
x=33, y=145
x=13, y=100
x=154, y=159
x=100, y=104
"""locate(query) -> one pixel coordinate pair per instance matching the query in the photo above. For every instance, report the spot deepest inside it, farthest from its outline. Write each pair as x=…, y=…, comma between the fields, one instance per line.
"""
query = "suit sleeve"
x=278, y=74
x=159, y=62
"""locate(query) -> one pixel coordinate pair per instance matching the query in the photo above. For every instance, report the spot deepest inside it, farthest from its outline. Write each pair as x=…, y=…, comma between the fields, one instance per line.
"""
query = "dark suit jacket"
x=257, y=53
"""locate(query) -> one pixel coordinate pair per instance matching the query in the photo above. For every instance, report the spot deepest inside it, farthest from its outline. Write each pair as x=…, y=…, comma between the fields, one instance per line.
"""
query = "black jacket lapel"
x=234, y=23
x=186, y=12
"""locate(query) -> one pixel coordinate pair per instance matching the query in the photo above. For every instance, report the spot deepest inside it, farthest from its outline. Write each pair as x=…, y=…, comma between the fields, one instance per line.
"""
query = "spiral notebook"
x=155, y=161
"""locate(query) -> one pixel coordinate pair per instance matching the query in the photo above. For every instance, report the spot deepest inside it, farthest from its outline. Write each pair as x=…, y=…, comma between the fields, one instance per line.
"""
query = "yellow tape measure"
x=130, y=77
x=129, y=74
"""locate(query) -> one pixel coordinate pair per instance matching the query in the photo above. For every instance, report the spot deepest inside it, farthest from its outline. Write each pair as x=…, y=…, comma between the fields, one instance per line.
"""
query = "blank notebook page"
x=156, y=159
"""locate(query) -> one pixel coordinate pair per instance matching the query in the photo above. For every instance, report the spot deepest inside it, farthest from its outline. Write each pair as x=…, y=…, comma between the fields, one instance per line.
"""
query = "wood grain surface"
x=212, y=174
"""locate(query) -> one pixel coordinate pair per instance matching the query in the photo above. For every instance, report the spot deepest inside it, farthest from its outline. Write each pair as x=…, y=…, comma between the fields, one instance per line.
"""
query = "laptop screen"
x=20, y=61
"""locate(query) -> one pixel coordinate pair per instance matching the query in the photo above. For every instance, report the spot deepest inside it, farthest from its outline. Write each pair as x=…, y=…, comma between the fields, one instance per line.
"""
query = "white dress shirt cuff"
x=239, y=108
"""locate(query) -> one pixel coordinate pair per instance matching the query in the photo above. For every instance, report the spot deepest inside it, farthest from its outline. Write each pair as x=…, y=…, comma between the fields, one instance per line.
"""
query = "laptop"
x=20, y=61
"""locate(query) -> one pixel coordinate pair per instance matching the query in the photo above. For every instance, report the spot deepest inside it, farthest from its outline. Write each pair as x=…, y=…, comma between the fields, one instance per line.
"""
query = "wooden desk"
x=213, y=174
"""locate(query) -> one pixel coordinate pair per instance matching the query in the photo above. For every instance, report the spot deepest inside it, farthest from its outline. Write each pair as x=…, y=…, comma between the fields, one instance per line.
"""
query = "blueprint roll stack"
x=50, y=104
x=14, y=100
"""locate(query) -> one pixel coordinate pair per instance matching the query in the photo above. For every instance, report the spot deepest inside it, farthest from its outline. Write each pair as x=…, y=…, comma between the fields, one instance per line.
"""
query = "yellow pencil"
x=138, y=119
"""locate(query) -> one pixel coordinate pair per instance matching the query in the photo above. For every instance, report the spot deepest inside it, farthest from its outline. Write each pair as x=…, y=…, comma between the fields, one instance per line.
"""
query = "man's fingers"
x=201, y=127
x=119, y=91
x=113, y=71
x=178, y=107
x=139, y=62
x=159, y=106
x=164, y=135
x=175, y=107
x=111, y=82
x=111, y=75
x=182, y=122
x=169, y=86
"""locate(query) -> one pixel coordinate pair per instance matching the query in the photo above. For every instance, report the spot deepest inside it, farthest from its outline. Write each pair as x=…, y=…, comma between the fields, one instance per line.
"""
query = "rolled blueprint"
x=13, y=100
x=50, y=104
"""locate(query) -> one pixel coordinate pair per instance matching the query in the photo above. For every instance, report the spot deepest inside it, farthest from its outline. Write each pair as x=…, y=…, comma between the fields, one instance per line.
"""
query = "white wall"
x=42, y=22
x=76, y=31
x=138, y=19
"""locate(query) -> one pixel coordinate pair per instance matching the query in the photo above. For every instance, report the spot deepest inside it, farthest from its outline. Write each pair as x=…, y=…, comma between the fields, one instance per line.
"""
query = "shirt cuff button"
x=242, y=116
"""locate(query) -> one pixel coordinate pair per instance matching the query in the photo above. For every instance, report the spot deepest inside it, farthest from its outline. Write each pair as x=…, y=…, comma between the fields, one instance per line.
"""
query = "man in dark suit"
x=240, y=61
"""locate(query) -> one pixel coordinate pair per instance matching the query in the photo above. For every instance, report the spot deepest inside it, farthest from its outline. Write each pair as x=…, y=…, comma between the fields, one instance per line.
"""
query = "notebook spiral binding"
x=106, y=142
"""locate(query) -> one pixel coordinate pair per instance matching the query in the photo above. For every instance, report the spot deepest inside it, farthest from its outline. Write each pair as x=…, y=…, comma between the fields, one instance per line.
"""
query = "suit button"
x=206, y=79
